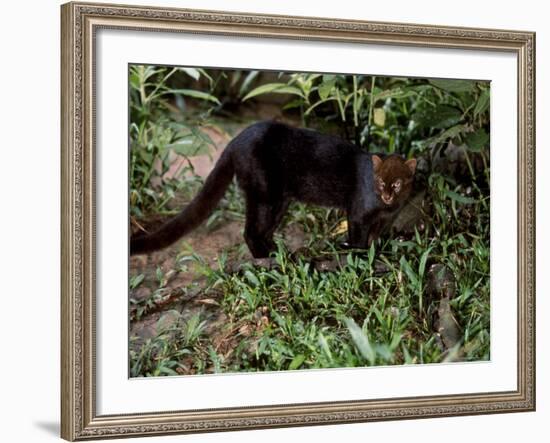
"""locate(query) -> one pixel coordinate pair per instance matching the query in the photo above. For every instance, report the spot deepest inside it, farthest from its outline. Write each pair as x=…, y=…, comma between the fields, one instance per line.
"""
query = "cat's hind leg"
x=262, y=218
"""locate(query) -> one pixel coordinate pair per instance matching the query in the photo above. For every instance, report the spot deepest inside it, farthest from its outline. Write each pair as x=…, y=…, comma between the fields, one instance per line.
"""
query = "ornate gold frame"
x=78, y=417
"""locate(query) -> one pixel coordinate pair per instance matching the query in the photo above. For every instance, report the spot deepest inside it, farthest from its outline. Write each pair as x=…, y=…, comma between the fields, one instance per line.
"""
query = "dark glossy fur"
x=275, y=164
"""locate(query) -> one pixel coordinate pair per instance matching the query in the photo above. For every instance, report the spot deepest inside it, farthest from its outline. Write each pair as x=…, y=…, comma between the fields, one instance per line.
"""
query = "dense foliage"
x=372, y=307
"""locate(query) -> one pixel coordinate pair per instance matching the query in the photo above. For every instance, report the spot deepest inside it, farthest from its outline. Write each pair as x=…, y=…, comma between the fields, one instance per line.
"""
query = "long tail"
x=193, y=214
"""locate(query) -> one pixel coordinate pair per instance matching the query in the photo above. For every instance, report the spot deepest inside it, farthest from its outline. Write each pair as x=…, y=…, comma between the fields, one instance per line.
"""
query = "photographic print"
x=291, y=220
x=273, y=221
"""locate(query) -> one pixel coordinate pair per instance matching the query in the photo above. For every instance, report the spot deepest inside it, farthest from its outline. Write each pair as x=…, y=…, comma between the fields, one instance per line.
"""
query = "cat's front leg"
x=374, y=233
x=380, y=224
x=359, y=227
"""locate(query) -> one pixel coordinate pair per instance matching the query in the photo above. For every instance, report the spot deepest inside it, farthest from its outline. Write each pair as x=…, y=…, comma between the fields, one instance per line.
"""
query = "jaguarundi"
x=274, y=164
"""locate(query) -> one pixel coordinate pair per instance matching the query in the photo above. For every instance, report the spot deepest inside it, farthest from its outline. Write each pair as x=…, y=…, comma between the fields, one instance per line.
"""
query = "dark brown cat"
x=275, y=164
x=393, y=182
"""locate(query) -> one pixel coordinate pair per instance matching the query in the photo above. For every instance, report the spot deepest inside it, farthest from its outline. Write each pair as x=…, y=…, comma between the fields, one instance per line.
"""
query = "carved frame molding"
x=79, y=23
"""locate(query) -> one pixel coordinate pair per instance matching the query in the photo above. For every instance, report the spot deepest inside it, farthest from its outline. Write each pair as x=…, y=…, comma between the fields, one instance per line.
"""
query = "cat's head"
x=393, y=178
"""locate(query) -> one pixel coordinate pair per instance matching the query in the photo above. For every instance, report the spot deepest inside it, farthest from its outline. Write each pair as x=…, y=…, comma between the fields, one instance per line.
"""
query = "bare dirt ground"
x=177, y=297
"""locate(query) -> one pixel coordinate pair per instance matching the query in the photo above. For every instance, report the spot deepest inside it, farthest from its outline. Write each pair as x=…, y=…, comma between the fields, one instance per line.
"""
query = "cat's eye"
x=396, y=185
x=381, y=184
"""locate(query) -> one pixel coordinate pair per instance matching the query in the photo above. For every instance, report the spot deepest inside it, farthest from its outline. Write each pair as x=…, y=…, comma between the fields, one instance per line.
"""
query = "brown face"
x=393, y=178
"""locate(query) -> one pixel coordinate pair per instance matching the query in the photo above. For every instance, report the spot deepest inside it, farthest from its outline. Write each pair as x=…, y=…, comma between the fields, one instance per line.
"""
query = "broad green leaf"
x=379, y=117
x=482, y=102
x=235, y=77
x=189, y=147
x=134, y=80
x=145, y=72
x=445, y=135
x=405, y=266
x=423, y=260
x=192, y=72
x=459, y=198
x=406, y=355
x=296, y=362
x=418, y=89
x=270, y=88
x=136, y=280
x=396, y=339
x=324, y=346
x=247, y=82
x=440, y=117
x=379, y=316
x=215, y=358
x=192, y=93
x=159, y=274
x=477, y=140
x=453, y=85
x=384, y=352
x=467, y=101
x=252, y=278
x=326, y=87
x=371, y=253
x=312, y=107
x=167, y=371
x=392, y=93
x=296, y=103
x=361, y=341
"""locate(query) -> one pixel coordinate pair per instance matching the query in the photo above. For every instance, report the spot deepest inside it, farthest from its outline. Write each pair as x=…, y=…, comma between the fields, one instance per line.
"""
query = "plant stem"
x=371, y=105
x=162, y=83
x=371, y=109
x=355, y=119
x=142, y=94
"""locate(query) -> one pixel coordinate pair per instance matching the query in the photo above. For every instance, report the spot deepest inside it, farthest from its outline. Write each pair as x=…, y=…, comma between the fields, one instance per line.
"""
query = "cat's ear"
x=376, y=162
x=411, y=164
